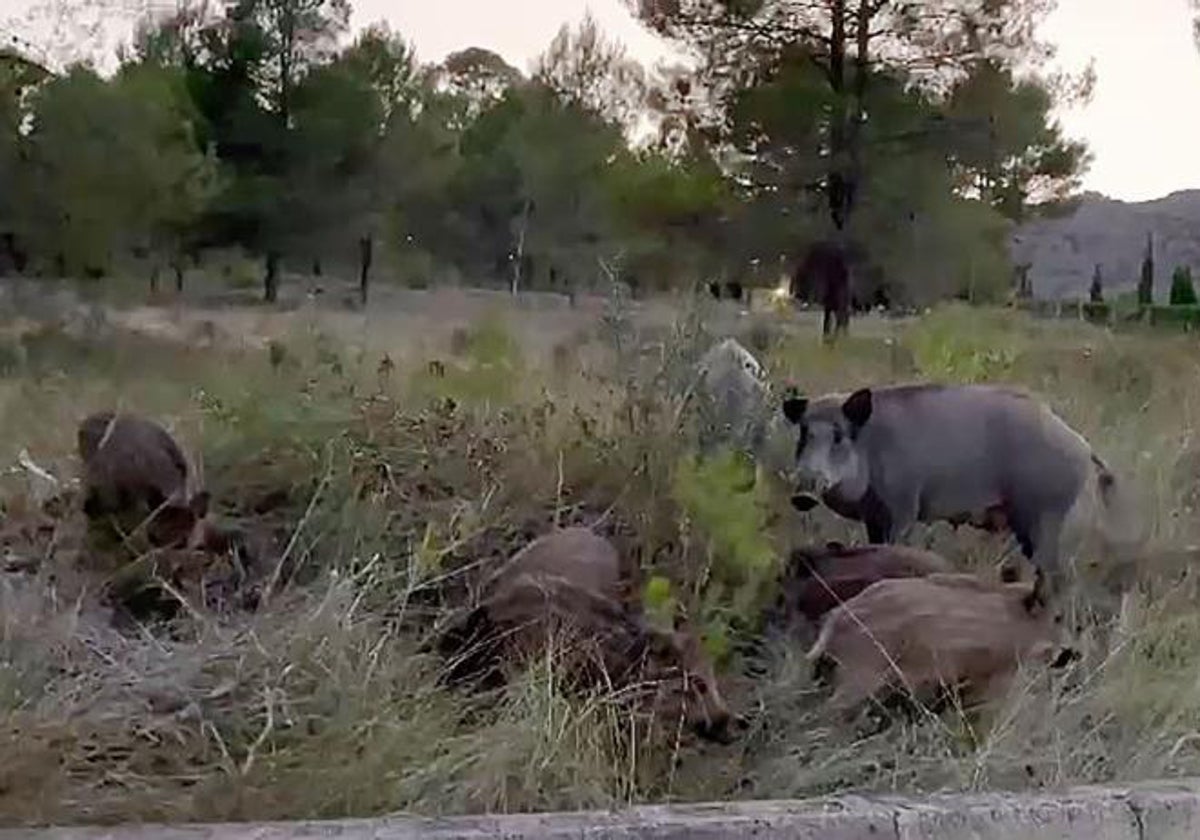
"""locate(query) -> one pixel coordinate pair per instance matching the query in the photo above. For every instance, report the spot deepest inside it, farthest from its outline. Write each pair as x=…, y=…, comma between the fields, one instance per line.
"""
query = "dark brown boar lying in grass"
x=920, y=636
x=818, y=578
x=561, y=593
x=135, y=475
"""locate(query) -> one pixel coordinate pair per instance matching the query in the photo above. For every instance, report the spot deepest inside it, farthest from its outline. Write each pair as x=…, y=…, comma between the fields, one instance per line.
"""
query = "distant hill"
x=1062, y=253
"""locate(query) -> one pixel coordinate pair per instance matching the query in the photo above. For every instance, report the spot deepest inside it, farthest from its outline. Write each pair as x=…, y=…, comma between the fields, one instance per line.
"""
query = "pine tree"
x=1145, y=289
x=1096, y=292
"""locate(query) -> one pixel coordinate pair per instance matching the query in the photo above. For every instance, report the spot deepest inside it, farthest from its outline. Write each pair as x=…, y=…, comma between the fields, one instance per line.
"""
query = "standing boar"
x=559, y=593
x=816, y=579
x=825, y=275
x=990, y=456
x=922, y=635
x=135, y=472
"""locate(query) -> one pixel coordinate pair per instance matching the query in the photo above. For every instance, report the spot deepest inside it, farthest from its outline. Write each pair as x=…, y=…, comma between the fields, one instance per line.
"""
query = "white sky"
x=1143, y=122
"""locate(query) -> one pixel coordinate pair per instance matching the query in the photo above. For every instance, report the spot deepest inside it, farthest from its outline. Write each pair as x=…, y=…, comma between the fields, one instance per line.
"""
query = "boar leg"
x=883, y=526
x=1048, y=582
x=889, y=522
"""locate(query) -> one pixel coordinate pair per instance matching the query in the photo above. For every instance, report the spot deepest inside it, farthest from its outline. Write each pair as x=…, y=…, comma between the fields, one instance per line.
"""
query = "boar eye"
x=700, y=684
x=837, y=436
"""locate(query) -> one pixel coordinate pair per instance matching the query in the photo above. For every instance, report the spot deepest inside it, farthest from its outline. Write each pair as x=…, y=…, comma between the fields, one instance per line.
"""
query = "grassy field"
x=382, y=487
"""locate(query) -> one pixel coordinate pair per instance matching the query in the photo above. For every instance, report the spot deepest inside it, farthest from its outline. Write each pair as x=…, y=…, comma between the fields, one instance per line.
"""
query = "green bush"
x=961, y=344
x=659, y=602
x=237, y=269
x=1126, y=306
x=1185, y=317
x=1044, y=308
x=1097, y=313
x=12, y=356
x=721, y=499
x=1183, y=293
x=488, y=369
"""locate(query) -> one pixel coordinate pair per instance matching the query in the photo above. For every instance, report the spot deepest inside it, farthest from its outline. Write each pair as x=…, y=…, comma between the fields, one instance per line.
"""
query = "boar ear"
x=794, y=408
x=857, y=407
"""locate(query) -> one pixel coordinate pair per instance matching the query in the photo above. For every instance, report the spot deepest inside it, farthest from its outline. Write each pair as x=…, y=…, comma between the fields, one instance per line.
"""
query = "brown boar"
x=575, y=555
x=560, y=594
x=135, y=473
x=922, y=635
x=816, y=579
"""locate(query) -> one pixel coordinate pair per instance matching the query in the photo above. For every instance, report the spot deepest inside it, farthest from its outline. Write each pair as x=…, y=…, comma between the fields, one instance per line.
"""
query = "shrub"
x=961, y=344
x=1186, y=317
x=1183, y=293
x=1097, y=313
x=719, y=495
x=487, y=368
x=659, y=602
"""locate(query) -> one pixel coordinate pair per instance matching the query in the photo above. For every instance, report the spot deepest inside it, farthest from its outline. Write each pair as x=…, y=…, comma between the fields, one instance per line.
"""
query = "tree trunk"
x=12, y=254
x=154, y=279
x=862, y=70
x=516, y=278
x=365, y=244
x=836, y=180
x=271, y=278
x=178, y=266
x=316, y=267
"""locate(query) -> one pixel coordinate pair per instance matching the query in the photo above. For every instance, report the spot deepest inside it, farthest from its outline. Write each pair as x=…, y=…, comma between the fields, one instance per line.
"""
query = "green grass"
x=387, y=495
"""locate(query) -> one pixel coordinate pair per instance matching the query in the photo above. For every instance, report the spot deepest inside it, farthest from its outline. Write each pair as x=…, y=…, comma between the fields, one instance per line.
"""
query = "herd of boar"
x=887, y=618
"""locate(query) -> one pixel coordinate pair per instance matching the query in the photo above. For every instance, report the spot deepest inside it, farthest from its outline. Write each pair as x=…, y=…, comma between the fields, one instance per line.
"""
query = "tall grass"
x=387, y=493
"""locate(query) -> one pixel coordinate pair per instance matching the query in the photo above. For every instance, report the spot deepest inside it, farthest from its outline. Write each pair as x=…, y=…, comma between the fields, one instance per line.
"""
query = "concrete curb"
x=1149, y=811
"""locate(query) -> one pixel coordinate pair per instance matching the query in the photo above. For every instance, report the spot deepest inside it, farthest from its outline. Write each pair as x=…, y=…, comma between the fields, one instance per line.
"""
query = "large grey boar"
x=990, y=456
x=135, y=472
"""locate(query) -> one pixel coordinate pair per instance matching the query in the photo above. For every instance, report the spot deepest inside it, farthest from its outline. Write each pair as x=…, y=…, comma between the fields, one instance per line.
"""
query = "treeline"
x=902, y=128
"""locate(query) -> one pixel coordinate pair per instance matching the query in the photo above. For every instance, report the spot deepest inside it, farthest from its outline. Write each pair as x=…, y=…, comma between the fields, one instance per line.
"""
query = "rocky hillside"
x=1062, y=253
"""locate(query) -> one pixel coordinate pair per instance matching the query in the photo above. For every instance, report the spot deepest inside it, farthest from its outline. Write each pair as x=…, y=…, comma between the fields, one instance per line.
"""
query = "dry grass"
x=385, y=498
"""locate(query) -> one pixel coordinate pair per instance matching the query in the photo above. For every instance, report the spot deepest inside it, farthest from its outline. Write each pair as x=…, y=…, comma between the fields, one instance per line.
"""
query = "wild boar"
x=818, y=578
x=559, y=594
x=923, y=635
x=135, y=472
x=575, y=555
x=732, y=397
x=990, y=456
